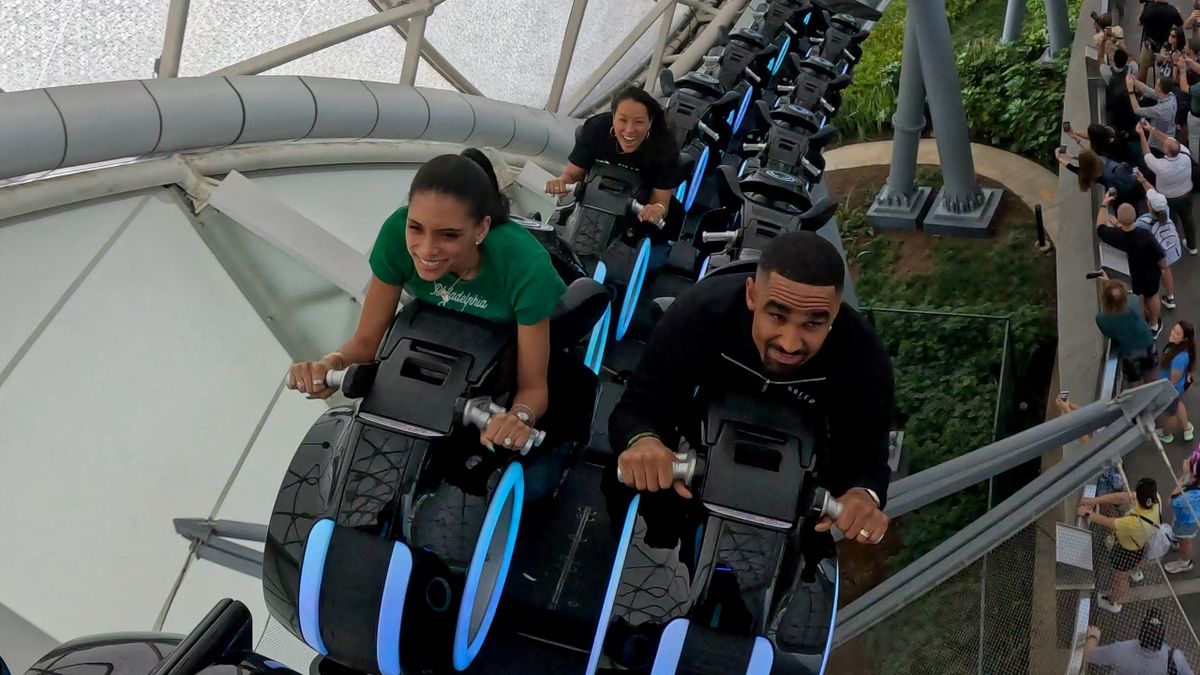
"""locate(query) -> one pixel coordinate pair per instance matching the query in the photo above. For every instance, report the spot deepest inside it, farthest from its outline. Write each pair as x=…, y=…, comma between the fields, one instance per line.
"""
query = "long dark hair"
x=660, y=142
x=468, y=177
x=1172, y=349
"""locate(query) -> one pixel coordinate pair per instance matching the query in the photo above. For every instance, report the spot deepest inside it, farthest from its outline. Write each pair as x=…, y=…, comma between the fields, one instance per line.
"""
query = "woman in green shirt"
x=454, y=246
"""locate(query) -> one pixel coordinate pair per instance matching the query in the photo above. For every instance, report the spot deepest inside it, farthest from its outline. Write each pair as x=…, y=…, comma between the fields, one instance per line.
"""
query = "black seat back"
x=580, y=308
x=226, y=629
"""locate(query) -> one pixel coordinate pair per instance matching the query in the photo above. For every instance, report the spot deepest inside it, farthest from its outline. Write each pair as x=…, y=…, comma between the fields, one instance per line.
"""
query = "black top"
x=1143, y=252
x=1117, y=107
x=704, y=342
x=596, y=143
x=1157, y=19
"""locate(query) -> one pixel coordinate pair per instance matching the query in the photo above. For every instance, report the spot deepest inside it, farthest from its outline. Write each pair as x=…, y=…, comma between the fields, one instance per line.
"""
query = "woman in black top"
x=633, y=134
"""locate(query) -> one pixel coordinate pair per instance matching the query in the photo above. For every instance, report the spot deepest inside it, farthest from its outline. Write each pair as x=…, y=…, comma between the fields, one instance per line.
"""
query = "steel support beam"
x=961, y=207
x=412, y=49
x=987, y=532
x=618, y=53
x=1137, y=407
x=656, y=56
x=1014, y=21
x=168, y=61
x=440, y=64
x=566, y=54
x=315, y=43
x=1057, y=28
x=902, y=203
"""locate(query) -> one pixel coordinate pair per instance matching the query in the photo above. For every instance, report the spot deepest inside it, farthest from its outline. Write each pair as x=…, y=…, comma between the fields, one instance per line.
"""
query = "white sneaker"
x=1103, y=602
x=1192, y=250
x=1137, y=576
x=1178, y=566
x=1168, y=301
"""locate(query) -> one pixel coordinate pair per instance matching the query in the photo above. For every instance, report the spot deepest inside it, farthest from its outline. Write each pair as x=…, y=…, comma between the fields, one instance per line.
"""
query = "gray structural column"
x=412, y=50
x=901, y=202
x=1014, y=21
x=1056, y=25
x=570, y=36
x=168, y=62
x=961, y=207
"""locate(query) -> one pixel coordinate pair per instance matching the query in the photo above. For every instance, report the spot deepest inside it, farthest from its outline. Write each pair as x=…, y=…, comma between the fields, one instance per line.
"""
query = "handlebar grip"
x=478, y=412
x=708, y=131
x=683, y=468
x=570, y=187
x=825, y=506
x=754, y=147
x=637, y=207
x=712, y=237
x=334, y=378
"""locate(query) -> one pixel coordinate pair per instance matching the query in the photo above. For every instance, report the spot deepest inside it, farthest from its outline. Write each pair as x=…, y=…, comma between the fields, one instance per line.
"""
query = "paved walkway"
x=1030, y=181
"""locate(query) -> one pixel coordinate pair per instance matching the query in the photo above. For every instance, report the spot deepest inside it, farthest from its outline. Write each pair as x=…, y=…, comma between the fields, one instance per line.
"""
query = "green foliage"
x=947, y=369
x=1013, y=100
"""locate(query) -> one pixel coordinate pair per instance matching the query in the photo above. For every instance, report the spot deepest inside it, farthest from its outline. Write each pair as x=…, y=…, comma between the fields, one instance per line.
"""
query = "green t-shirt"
x=516, y=280
x=1128, y=329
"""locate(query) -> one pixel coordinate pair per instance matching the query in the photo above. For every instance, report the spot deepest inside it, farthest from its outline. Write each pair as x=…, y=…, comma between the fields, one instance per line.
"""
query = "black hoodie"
x=704, y=342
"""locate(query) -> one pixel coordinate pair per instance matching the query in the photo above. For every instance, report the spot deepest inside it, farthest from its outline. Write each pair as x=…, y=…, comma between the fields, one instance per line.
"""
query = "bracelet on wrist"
x=343, y=362
x=638, y=437
x=525, y=414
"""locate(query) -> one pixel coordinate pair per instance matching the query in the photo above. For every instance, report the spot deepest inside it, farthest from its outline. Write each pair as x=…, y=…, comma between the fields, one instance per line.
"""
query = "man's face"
x=791, y=320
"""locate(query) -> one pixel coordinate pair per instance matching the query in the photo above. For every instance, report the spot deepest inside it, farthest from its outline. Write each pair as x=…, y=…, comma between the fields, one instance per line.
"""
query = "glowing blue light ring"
x=697, y=177
x=634, y=290
x=729, y=118
x=808, y=17
x=681, y=191
x=614, y=580
x=742, y=168
x=512, y=485
x=741, y=112
x=837, y=583
x=762, y=658
x=670, y=647
x=312, y=572
x=778, y=60
x=704, y=267
x=391, y=610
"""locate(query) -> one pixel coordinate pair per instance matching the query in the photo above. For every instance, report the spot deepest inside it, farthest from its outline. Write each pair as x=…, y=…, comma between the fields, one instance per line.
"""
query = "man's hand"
x=1129, y=82
x=861, y=520
x=648, y=465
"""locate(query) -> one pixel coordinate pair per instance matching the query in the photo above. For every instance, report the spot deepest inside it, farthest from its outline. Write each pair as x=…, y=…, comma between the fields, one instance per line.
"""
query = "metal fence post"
x=412, y=50
x=168, y=62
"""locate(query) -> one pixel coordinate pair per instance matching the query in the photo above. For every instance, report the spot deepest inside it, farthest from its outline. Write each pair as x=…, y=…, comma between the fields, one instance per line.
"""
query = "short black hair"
x=806, y=258
x=1120, y=58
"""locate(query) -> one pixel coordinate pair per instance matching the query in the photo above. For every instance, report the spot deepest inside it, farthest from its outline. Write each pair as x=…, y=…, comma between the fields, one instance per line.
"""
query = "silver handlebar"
x=754, y=147
x=708, y=131
x=711, y=237
x=637, y=207
x=683, y=468
x=478, y=412
x=828, y=507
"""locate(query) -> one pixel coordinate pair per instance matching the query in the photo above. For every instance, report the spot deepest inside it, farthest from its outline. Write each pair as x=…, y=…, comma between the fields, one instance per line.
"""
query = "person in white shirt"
x=1173, y=178
x=1157, y=221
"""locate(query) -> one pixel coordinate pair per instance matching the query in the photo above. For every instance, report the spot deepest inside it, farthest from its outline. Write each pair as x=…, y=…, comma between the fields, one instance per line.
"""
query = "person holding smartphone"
x=1145, y=255
x=1121, y=320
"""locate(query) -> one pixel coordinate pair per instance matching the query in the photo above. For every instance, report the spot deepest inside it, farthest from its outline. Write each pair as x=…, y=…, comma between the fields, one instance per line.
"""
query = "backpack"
x=1119, y=175
x=1160, y=541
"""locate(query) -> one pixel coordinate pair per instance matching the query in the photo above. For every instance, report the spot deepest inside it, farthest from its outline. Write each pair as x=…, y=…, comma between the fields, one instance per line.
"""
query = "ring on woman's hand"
x=318, y=383
x=507, y=441
x=864, y=534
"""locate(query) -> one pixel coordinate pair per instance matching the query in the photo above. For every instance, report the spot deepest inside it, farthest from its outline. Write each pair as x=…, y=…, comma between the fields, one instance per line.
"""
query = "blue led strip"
x=595, y=351
x=614, y=580
x=778, y=60
x=704, y=267
x=670, y=647
x=681, y=191
x=762, y=658
x=512, y=486
x=697, y=177
x=741, y=112
x=837, y=584
x=634, y=290
x=312, y=572
x=391, y=610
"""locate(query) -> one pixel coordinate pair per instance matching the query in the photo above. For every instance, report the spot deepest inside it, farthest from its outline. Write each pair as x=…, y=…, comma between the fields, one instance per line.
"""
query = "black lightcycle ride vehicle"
x=398, y=544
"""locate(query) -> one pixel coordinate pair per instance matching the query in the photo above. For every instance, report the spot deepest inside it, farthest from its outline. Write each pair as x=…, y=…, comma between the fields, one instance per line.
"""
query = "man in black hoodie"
x=780, y=331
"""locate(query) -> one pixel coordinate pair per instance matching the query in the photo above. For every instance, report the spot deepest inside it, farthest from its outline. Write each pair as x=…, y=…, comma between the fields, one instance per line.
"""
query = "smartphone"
x=1062, y=149
x=1112, y=192
x=1094, y=275
x=1064, y=395
x=1066, y=127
